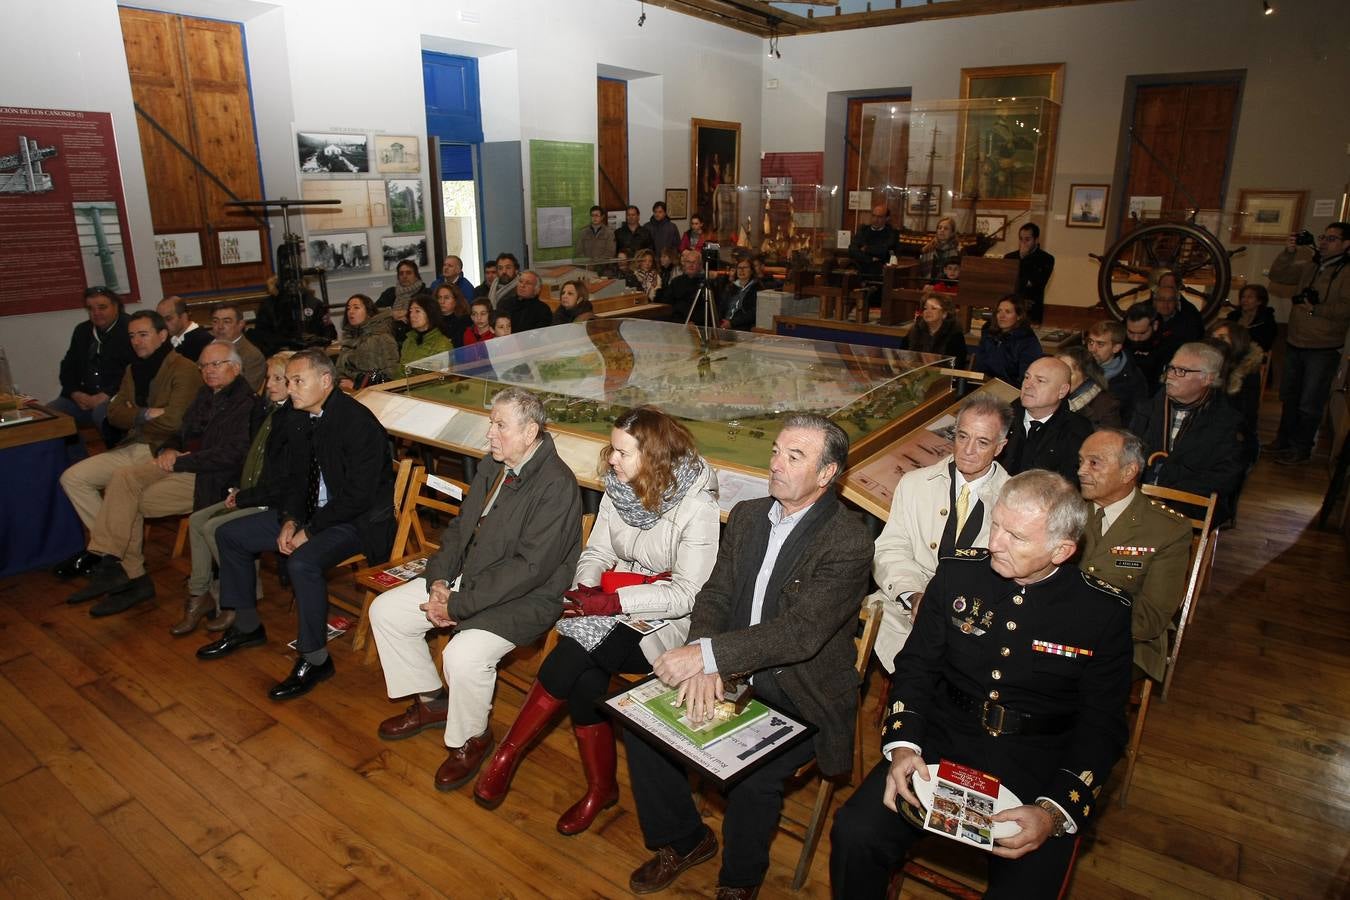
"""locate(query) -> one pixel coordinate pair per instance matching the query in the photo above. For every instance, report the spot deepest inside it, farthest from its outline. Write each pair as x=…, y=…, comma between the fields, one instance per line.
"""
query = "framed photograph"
x=1268, y=217
x=362, y=204
x=341, y=254
x=924, y=200
x=677, y=203
x=397, y=153
x=1087, y=206
x=239, y=247
x=178, y=251
x=393, y=249
x=714, y=159
x=405, y=205
x=1016, y=157
x=332, y=154
x=990, y=224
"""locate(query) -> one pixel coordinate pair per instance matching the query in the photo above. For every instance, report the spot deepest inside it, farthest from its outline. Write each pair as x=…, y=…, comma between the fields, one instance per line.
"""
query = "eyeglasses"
x=1181, y=371
x=211, y=365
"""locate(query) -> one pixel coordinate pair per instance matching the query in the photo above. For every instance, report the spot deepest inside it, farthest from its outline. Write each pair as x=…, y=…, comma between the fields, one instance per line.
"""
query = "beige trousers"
x=469, y=662
x=84, y=482
x=133, y=494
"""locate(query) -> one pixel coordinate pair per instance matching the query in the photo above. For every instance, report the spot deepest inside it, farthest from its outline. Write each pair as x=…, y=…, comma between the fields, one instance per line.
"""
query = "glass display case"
x=776, y=219
x=605, y=279
x=732, y=389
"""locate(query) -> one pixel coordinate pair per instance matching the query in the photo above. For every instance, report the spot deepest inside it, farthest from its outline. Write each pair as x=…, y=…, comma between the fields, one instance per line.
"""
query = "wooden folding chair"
x=402, y=473
x=870, y=618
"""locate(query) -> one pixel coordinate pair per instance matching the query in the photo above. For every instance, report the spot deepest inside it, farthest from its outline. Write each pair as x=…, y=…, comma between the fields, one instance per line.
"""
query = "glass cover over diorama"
x=732, y=389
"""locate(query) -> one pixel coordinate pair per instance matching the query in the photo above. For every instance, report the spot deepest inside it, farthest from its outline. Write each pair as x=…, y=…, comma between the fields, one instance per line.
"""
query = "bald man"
x=1045, y=433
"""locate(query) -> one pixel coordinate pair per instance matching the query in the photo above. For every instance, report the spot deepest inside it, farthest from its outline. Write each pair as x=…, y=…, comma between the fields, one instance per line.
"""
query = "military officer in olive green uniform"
x=1133, y=542
x=1019, y=666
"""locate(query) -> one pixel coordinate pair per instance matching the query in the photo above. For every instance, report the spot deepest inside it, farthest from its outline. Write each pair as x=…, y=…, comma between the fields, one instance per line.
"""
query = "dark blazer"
x=530, y=314
x=1033, y=274
x=1208, y=455
x=1055, y=447
x=681, y=294
x=96, y=367
x=194, y=342
x=1262, y=328
x=949, y=341
x=515, y=565
x=630, y=242
x=215, y=431
x=1129, y=388
x=271, y=486
x=742, y=318
x=803, y=647
x=352, y=448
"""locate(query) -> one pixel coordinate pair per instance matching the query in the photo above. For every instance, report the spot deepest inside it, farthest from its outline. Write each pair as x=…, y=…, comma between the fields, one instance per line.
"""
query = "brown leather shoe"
x=657, y=873
x=737, y=893
x=221, y=621
x=464, y=762
x=194, y=610
x=414, y=720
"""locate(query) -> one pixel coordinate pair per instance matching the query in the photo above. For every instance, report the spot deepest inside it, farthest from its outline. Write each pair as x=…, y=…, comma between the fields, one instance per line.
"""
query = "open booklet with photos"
x=960, y=802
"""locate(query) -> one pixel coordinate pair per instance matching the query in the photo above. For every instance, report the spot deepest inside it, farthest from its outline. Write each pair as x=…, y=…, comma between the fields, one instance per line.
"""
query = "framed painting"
x=1087, y=206
x=677, y=204
x=1007, y=155
x=1268, y=217
x=714, y=159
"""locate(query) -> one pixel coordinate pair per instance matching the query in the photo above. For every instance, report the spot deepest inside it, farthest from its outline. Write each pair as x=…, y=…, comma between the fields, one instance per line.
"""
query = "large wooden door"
x=612, y=133
x=876, y=156
x=190, y=79
x=1189, y=129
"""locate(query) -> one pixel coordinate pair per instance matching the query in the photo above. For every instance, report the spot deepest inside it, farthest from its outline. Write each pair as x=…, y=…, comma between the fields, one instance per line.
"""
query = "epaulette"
x=1105, y=588
x=1167, y=509
x=971, y=554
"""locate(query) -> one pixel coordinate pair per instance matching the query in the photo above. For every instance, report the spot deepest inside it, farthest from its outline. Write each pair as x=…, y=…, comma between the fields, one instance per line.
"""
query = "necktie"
x=1099, y=520
x=1035, y=428
x=312, y=494
x=962, y=508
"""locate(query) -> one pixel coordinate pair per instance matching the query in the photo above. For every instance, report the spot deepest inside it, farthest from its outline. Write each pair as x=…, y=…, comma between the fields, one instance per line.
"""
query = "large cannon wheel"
x=1130, y=270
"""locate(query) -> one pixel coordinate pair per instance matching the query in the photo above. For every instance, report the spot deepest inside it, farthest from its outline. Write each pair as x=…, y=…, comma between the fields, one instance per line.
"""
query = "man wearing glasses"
x=227, y=324
x=1317, y=324
x=1192, y=436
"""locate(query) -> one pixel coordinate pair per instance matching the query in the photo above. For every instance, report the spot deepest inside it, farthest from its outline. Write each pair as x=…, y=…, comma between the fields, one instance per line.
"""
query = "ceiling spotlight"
x=1266, y=8
x=642, y=19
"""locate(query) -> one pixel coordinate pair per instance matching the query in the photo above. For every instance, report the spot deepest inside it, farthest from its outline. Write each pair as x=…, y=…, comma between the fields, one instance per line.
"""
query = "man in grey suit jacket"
x=781, y=605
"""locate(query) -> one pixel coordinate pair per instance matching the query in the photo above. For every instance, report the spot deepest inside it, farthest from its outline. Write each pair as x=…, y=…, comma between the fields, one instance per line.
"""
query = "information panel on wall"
x=562, y=191
x=63, y=218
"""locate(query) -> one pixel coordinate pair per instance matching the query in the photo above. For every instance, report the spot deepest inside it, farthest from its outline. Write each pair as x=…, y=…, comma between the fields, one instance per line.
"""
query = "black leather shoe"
x=80, y=564
x=302, y=679
x=233, y=640
x=138, y=591
x=106, y=577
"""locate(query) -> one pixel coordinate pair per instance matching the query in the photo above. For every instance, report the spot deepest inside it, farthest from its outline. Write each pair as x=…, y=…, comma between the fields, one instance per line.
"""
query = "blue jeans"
x=1305, y=385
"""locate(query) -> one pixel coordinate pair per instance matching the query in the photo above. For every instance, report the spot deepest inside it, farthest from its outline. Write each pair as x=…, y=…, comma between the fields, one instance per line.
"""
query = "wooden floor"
x=129, y=769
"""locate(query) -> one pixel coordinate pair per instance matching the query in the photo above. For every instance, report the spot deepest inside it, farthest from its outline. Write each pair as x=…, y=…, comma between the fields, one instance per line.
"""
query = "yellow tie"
x=962, y=508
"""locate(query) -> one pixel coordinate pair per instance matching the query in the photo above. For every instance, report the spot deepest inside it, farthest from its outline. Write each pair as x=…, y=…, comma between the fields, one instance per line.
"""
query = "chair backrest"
x=587, y=523
x=411, y=534
x=870, y=617
x=1203, y=542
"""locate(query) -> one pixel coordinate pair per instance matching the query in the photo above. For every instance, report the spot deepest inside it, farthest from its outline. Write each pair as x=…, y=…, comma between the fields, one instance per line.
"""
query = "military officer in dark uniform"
x=1019, y=666
x=1133, y=542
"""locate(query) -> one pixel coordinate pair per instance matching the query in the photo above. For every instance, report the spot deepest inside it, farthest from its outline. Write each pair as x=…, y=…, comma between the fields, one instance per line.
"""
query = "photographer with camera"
x=1318, y=321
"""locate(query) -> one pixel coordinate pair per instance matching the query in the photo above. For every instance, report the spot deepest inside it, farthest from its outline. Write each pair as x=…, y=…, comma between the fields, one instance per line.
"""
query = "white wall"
x=350, y=64
x=1293, y=124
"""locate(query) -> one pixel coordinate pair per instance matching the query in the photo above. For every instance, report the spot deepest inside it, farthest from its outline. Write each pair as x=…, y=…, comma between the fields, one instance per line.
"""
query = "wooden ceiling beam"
x=944, y=9
x=758, y=19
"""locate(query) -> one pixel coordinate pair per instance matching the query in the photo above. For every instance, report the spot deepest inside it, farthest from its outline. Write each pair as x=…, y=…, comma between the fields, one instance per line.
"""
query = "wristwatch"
x=1057, y=818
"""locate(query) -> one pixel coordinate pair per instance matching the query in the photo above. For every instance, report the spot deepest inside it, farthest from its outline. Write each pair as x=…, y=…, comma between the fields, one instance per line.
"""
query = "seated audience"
x=1106, y=342
x=426, y=331
x=668, y=265
x=665, y=233
x=489, y=278
x=95, y=361
x=454, y=312
x=528, y=312
x=480, y=322
x=694, y=238
x=1088, y=393
x=227, y=324
x=685, y=292
x=186, y=336
x=1192, y=435
x=574, y=303
x=1254, y=313
x=1241, y=379
x=624, y=272
x=938, y=330
x=191, y=469
x=781, y=606
x=596, y=240
x=941, y=248
x=935, y=511
x=1143, y=347
x=503, y=293
x=501, y=325
x=951, y=277
x=407, y=284
x=738, y=299
x=968, y=689
x=1008, y=344
x=155, y=392
x=1045, y=433
x=337, y=501
x=1034, y=268
x=632, y=235
x=645, y=273
x=651, y=549
x=497, y=582
x=260, y=485
x=452, y=273
x=369, y=354
x=1133, y=543
x=1178, y=320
